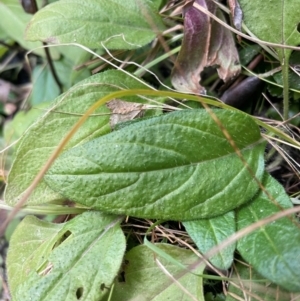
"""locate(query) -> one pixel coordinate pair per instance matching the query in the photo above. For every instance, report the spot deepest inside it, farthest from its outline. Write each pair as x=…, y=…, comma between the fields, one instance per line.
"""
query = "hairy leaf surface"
x=207, y=233
x=276, y=21
x=115, y=23
x=178, y=166
x=273, y=250
x=71, y=261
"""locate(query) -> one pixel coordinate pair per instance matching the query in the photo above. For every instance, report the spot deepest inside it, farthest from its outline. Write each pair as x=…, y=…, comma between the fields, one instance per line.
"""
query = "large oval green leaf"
x=77, y=260
x=118, y=24
x=274, y=249
x=178, y=166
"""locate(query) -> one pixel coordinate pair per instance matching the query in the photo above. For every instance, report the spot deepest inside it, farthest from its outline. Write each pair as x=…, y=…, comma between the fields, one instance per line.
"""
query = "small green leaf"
x=66, y=68
x=249, y=286
x=207, y=233
x=80, y=258
x=178, y=166
x=273, y=250
x=248, y=52
x=45, y=87
x=118, y=24
x=42, y=138
x=145, y=280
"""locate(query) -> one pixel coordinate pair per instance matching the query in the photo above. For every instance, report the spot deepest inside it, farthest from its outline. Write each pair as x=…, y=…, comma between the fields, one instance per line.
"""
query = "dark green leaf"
x=207, y=233
x=178, y=166
x=273, y=21
x=45, y=87
x=273, y=250
x=248, y=53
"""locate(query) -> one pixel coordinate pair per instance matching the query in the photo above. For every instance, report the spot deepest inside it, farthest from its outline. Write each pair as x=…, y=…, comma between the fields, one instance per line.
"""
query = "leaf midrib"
x=155, y=170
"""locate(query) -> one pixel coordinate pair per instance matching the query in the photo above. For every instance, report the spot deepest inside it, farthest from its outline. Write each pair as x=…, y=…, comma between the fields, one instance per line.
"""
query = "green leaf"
x=38, y=143
x=250, y=287
x=14, y=128
x=273, y=21
x=178, y=166
x=13, y=21
x=118, y=24
x=248, y=52
x=45, y=87
x=145, y=280
x=207, y=233
x=273, y=250
x=32, y=239
x=73, y=56
x=71, y=261
x=157, y=3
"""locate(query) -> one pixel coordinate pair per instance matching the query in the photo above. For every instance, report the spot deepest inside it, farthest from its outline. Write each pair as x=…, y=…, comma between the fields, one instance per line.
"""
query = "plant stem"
x=31, y=8
x=52, y=69
x=285, y=79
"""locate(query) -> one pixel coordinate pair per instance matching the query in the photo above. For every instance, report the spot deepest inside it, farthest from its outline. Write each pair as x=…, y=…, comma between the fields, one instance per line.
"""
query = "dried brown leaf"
x=123, y=111
x=205, y=43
